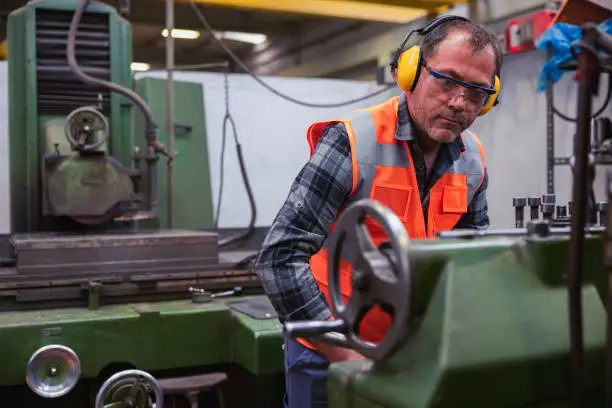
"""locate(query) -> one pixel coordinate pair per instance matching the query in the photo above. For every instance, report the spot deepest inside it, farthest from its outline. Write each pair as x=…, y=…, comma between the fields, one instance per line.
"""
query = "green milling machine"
x=101, y=304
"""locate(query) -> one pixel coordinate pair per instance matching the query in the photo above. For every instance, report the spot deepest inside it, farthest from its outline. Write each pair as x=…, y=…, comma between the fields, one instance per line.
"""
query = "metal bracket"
x=93, y=295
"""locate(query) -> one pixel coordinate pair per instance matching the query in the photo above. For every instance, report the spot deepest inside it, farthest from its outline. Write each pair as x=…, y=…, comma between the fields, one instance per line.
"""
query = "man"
x=427, y=126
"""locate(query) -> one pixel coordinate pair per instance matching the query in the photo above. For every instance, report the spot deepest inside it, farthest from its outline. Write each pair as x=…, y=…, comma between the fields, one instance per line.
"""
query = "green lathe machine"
x=97, y=307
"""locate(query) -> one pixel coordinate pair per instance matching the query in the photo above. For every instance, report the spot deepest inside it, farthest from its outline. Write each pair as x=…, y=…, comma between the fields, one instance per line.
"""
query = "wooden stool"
x=191, y=387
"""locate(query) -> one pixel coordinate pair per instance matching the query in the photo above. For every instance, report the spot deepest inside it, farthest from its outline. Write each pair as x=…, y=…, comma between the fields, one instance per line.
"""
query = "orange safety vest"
x=383, y=170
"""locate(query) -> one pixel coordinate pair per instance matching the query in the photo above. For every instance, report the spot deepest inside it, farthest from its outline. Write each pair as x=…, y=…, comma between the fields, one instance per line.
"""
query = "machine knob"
x=519, y=211
x=534, y=206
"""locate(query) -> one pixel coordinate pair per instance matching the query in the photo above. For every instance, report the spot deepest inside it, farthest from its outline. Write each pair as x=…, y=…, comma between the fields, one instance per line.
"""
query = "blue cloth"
x=305, y=377
x=560, y=37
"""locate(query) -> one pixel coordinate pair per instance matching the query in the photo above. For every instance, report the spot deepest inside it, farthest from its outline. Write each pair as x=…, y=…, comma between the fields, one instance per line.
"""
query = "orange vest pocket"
x=454, y=199
x=394, y=196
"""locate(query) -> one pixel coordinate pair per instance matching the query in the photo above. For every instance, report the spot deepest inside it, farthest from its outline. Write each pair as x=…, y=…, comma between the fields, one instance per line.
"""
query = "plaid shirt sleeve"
x=300, y=228
x=477, y=216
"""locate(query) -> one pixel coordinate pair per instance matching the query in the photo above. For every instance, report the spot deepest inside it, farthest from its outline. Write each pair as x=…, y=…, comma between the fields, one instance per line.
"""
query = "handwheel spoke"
x=363, y=239
x=116, y=404
x=357, y=306
x=135, y=388
x=388, y=292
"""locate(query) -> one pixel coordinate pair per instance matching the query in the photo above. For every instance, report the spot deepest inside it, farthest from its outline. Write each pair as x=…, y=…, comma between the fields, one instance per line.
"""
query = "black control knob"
x=519, y=211
x=548, y=206
x=534, y=207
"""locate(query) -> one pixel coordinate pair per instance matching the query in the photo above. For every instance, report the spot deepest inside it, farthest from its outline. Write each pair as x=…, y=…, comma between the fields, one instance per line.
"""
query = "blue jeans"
x=305, y=377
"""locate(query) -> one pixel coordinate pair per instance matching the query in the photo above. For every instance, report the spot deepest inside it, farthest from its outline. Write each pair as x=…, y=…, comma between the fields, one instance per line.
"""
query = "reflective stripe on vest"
x=383, y=170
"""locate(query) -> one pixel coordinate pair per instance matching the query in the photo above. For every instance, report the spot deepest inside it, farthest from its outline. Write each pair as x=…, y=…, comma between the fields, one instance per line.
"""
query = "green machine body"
x=72, y=162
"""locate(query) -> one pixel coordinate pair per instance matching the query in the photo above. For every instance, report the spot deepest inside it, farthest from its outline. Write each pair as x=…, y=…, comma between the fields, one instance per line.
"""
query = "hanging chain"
x=226, y=89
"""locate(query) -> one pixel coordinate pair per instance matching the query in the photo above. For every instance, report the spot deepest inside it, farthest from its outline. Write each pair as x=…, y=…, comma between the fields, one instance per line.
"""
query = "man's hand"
x=335, y=354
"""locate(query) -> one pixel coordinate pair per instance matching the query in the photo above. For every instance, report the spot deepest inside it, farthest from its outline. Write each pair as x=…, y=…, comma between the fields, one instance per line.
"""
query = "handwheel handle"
x=330, y=331
x=313, y=328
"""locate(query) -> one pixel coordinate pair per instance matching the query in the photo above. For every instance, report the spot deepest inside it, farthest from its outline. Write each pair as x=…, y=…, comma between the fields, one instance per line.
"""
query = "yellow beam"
x=348, y=9
x=424, y=4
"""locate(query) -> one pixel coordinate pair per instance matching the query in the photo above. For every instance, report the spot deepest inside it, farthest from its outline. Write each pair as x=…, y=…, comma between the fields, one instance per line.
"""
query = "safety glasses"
x=476, y=95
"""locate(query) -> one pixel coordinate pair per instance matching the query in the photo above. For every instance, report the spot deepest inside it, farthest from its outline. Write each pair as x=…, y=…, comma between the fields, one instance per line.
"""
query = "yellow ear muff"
x=491, y=100
x=408, y=68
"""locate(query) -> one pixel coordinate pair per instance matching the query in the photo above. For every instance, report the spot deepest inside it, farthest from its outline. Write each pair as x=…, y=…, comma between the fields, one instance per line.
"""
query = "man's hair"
x=480, y=39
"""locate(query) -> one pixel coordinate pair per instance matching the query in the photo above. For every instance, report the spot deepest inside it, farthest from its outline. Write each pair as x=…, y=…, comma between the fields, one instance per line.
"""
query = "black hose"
x=599, y=111
x=251, y=227
x=229, y=120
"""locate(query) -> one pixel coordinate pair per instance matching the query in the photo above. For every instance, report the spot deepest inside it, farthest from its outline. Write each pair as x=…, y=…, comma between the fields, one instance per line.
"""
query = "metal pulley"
x=53, y=371
x=130, y=389
x=380, y=276
x=86, y=129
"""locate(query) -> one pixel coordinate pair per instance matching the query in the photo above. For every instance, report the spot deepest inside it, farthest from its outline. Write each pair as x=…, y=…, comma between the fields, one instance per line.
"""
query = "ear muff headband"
x=407, y=64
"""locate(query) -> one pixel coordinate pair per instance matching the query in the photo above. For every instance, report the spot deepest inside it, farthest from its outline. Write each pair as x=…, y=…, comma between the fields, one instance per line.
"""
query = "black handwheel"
x=378, y=278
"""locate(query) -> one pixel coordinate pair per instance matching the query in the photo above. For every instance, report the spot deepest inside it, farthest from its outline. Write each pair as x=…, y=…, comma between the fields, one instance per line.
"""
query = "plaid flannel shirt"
x=317, y=194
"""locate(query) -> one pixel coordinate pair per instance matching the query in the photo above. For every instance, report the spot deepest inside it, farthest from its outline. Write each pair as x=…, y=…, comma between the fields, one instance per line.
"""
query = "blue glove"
x=560, y=36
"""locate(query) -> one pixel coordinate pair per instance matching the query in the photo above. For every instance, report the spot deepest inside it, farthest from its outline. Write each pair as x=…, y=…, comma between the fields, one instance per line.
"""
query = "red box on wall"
x=521, y=33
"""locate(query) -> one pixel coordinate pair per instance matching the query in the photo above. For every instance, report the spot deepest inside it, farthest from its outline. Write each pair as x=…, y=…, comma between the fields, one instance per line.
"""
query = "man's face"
x=441, y=108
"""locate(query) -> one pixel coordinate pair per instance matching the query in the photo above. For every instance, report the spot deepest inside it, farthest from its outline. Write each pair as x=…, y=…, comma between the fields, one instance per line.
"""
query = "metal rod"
x=550, y=134
x=608, y=298
x=589, y=73
x=223, y=64
x=170, y=106
x=516, y=232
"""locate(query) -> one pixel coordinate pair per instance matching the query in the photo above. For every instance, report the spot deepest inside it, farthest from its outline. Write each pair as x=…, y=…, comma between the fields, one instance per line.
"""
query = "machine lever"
x=331, y=331
x=314, y=328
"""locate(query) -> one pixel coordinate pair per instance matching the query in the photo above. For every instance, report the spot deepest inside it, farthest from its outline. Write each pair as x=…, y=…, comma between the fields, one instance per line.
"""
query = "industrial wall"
x=272, y=133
